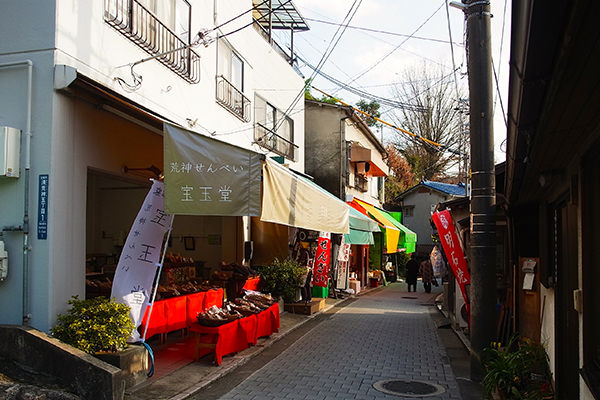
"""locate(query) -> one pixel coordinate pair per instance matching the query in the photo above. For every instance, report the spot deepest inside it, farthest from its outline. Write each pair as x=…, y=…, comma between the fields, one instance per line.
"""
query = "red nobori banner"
x=321, y=265
x=453, y=250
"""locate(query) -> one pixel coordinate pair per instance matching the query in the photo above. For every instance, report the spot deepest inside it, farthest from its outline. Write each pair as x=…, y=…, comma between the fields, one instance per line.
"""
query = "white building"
x=89, y=84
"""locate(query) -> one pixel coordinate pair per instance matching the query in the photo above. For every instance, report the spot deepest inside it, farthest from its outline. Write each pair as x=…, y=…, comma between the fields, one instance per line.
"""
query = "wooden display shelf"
x=306, y=308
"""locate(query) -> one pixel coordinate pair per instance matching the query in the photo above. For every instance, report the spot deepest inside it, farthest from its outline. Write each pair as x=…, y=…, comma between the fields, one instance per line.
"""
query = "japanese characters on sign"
x=342, y=266
x=42, y=225
x=140, y=258
x=204, y=176
x=453, y=250
x=322, y=257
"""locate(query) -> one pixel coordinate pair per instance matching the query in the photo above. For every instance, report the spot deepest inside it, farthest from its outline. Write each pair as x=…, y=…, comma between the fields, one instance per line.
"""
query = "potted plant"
x=517, y=371
x=95, y=325
x=282, y=278
x=100, y=327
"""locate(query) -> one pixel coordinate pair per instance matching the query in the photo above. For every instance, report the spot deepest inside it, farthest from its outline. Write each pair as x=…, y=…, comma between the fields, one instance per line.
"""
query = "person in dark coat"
x=412, y=270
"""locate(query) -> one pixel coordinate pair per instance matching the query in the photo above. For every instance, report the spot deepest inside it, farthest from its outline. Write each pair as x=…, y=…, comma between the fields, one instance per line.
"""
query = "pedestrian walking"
x=412, y=270
x=426, y=272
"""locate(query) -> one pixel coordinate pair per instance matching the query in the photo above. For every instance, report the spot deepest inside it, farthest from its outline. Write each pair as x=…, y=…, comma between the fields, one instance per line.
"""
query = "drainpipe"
x=343, y=159
x=27, y=165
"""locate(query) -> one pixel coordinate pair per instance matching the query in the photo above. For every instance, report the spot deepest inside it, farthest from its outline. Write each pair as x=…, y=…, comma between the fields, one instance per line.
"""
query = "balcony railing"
x=141, y=27
x=268, y=139
x=232, y=99
x=361, y=183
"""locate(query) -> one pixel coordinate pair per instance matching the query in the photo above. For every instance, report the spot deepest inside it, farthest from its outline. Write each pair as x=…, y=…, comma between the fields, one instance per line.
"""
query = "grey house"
x=419, y=202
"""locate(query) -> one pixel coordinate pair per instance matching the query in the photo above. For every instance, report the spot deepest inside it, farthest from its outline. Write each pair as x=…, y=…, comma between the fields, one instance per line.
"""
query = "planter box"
x=305, y=308
x=133, y=363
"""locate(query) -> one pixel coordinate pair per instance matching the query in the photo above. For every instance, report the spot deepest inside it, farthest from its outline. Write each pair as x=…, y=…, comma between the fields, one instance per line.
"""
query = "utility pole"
x=483, y=192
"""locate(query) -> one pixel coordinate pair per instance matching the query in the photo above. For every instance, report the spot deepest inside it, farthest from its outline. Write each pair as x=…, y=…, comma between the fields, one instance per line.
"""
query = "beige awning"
x=291, y=200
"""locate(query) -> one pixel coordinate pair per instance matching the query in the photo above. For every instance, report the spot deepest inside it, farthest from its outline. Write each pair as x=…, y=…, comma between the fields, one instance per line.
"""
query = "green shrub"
x=282, y=278
x=95, y=325
x=519, y=370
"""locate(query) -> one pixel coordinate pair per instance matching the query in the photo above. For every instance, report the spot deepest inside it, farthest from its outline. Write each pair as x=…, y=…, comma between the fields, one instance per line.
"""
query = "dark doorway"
x=566, y=317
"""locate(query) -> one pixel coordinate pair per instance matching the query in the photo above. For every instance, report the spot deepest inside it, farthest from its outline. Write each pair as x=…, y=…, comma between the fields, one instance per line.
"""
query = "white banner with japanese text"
x=140, y=258
x=205, y=176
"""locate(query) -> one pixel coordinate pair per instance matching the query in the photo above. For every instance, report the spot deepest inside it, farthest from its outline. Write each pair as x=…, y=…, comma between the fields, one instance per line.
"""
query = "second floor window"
x=230, y=66
x=174, y=14
x=274, y=130
x=230, y=82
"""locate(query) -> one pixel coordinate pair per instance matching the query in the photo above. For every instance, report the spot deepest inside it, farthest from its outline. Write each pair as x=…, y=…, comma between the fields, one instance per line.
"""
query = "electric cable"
x=383, y=32
x=397, y=47
x=324, y=58
x=364, y=94
x=421, y=138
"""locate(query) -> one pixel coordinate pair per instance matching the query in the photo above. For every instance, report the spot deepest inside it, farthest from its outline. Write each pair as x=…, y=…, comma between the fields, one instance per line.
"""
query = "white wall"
x=71, y=136
x=97, y=50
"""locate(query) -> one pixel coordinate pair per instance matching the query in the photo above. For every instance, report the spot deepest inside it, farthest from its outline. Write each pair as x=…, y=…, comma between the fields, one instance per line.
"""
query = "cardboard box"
x=354, y=285
x=305, y=308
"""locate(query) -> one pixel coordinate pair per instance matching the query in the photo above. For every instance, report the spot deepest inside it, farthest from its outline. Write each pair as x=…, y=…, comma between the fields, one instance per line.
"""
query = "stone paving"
x=386, y=334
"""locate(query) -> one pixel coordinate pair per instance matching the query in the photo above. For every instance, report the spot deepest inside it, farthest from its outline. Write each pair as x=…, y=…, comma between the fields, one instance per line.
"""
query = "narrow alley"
x=385, y=335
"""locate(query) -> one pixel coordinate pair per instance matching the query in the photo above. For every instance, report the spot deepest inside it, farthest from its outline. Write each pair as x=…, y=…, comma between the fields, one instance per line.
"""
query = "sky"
x=384, y=37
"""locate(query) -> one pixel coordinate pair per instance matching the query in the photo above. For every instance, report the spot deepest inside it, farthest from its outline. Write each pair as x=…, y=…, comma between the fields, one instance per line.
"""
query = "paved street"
x=387, y=334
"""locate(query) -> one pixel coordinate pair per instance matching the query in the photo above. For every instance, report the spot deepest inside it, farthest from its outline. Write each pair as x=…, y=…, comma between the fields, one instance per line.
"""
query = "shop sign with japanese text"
x=205, y=176
x=453, y=250
x=321, y=263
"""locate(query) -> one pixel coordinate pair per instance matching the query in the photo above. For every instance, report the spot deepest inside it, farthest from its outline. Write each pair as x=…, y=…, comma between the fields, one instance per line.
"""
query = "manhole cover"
x=400, y=387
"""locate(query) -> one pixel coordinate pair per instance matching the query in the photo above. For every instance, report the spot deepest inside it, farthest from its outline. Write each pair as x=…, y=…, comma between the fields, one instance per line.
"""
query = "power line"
x=413, y=135
x=324, y=58
x=383, y=32
x=397, y=47
x=364, y=94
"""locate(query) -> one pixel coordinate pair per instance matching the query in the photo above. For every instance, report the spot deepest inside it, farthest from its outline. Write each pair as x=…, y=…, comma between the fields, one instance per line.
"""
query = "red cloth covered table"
x=195, y=304
x=235, y=336
x=158, y=321
x=268, y=321
x=225, y=339
x=252, y=284
x=178, y=312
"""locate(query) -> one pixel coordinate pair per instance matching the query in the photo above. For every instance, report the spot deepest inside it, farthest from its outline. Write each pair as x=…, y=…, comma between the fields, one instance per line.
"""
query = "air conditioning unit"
x=10, y=150
x=460, y=309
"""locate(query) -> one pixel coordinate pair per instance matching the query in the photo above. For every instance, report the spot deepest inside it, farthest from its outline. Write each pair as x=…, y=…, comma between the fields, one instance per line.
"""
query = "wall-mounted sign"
x=42, y=225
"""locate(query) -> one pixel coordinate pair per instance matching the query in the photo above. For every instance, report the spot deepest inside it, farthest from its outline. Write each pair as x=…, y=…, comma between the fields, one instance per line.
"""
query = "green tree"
x=309, y=96
x=372, y=109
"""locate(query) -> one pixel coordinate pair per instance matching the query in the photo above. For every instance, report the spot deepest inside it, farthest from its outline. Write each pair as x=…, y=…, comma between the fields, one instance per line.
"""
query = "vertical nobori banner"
x=204, y=176
x=342, y=269
x=322, y=259
x=453, y=250
x=134, y=276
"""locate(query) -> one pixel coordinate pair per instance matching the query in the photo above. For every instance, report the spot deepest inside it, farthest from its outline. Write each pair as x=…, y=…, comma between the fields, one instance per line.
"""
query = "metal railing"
x=232, y=99
x=140, y=26
x=268, y=139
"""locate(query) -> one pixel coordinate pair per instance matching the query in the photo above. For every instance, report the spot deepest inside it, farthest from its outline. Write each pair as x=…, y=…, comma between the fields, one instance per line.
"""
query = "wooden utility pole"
x=483, y=192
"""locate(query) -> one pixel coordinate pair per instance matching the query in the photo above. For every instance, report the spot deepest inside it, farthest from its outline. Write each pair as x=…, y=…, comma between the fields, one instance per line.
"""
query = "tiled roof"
x=447, y=188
